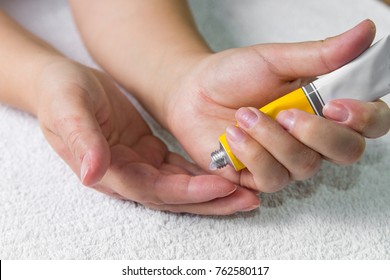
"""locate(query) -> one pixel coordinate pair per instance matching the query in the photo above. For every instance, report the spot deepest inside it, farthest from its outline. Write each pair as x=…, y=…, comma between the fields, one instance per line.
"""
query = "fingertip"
x=371, y=25
x=86, y=166
x=235, y=135
x=94, y=165
x=247, y=117
x=185, y=189
x=211, y=187
x=367, y=31
x=336, y=111
x=364, y=30
x=348, y=45
x=287, y=119
x=371, y=119
x=241, y=200
x=245, y=200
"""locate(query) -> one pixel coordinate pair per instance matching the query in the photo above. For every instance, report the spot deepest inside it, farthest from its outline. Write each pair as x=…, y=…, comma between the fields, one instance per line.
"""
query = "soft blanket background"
x=45, y=213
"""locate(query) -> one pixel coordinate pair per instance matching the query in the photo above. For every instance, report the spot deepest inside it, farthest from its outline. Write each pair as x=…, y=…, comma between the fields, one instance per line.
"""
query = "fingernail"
x=85, y=166
x=233, y=191
x=286, y=119
x=246, y=117
x=250, y=208
x=373, y=27
x=235, y=134
x=336, y=111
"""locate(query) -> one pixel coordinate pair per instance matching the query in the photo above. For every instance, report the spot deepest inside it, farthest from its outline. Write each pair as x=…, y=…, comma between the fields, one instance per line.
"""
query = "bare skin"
x=198, y=95
x=100, y=134
x=157, y=54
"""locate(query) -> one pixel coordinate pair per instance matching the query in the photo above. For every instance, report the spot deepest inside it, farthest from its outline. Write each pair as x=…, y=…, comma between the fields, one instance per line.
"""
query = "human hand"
x=105, y=141
x=195, y=93
x=205, y=101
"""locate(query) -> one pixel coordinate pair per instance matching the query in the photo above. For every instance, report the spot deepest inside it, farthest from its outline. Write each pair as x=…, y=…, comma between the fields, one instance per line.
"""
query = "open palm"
x=102, y=137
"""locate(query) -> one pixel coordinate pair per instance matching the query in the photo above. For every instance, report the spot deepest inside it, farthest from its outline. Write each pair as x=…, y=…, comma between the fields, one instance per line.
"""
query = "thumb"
x=81, y=143
x=91, y=148
x=309, y=59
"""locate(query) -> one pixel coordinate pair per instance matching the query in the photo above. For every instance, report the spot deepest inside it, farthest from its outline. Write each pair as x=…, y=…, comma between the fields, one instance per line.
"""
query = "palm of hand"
x=206, y=100
x=222, y=84
x=90, y=122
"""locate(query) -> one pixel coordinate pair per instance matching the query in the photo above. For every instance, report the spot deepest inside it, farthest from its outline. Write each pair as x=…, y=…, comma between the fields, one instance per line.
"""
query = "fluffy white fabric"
x=45, y=213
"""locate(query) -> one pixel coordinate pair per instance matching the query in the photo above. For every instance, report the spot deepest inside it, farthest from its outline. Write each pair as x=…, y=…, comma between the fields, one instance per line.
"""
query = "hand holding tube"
x=254, y=76
x=196, y=92
x=294, y=151
x=366, y=78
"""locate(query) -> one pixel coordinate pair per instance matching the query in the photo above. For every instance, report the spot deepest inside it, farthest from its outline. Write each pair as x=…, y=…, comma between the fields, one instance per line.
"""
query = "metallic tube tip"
x=219, y=159
x=213, y=166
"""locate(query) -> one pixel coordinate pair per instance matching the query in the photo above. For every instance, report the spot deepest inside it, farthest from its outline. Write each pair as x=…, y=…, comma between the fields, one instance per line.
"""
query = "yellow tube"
x=296, y=99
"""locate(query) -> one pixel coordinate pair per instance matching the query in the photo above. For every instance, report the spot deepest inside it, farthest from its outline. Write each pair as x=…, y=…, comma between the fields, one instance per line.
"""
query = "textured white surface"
x=342, y=213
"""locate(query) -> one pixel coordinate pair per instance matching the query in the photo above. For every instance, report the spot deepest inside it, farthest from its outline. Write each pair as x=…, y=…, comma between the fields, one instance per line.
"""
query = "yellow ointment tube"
x=299, y=99
x=366, y=78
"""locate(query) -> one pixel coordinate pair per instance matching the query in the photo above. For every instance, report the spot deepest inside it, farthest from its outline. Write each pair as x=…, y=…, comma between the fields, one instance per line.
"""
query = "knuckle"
x=75, y=135
x=73, y=141
x=309, y=127
x=261, y=180
x=69, y=133
x=354, y=151
x=366, y=121
x=374, y=120
x=324, y=55
x=378, y=123
x=307, y=165
x=256, y=156
x=273, y=183
x=386, y=118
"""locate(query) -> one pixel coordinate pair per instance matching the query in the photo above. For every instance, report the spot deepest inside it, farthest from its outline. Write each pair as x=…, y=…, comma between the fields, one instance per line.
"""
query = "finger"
x=337, y=143
x=144, y=183
x=301, y=161
x=86, y=148
x=310, y=59
x=371, y=119
x=264, y=172
x=242, y=200
x=179, y=189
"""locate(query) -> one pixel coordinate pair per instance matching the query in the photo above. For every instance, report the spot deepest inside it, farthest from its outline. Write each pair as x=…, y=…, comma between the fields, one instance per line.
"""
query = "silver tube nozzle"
x=219, y=159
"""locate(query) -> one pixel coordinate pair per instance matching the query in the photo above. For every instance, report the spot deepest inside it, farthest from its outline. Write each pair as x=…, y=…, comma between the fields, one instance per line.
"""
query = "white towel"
x=341, y=213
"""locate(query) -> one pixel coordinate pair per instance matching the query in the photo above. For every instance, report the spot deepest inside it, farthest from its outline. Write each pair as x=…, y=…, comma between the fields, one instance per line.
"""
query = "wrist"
x=54, y=75
x=22, y=55
x=154, y=44
x=157, y=93
x=38, y=80
x=20, y=82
